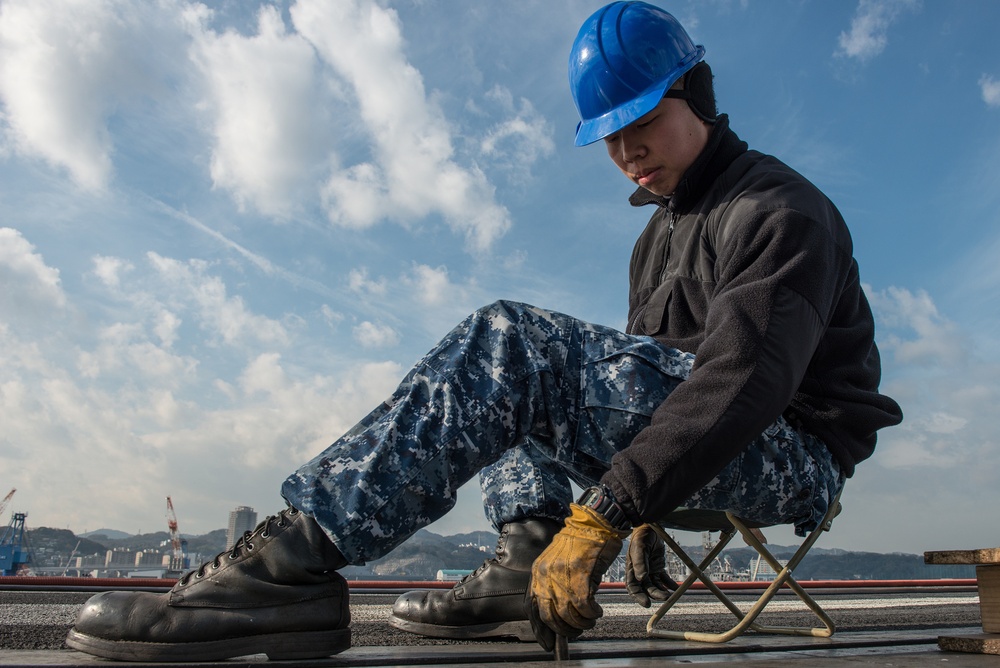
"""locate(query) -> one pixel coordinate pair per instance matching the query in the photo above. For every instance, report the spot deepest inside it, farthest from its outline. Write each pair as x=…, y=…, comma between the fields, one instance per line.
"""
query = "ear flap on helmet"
x=701, y=92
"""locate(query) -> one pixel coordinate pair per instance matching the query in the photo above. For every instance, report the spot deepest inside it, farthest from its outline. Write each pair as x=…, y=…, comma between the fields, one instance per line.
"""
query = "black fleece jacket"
x=750, y=267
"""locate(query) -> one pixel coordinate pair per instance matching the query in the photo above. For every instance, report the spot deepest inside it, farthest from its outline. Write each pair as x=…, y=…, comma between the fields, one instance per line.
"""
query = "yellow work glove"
x=565, y=577
x=646, y=577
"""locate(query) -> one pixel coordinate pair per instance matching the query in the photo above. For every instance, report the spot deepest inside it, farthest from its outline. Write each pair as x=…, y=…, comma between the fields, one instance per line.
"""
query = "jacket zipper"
x=631, y=328
x=666, y=252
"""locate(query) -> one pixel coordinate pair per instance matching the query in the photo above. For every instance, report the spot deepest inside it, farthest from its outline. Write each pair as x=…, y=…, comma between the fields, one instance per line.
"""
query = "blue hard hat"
x=625, y=57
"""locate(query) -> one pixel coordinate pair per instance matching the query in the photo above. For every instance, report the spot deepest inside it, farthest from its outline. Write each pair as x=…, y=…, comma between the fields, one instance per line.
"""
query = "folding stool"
x=693, y=519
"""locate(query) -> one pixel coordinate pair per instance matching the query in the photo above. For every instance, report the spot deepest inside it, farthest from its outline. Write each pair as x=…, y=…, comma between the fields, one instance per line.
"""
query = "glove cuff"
x=590, y=524
x=600, y=499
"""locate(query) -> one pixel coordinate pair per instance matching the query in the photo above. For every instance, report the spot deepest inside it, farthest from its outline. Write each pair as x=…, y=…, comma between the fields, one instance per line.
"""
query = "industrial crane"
x=72, y=554
x=177, y=562
x=15, y=550
x=6, y=500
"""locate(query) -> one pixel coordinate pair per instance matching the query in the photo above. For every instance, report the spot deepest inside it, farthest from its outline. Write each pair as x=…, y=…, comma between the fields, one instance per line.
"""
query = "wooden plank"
x=989, y=597
x=989, y=555
x=984, y=643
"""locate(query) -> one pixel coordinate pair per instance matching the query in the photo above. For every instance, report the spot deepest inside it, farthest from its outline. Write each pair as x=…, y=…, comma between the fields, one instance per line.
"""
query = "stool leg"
x=747, y=619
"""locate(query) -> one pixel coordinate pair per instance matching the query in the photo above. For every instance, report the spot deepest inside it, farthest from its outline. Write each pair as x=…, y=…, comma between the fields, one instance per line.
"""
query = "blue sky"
x=227, y=229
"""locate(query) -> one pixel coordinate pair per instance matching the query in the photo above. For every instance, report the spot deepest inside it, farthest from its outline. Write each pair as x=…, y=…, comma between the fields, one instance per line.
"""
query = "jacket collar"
x=722, y=148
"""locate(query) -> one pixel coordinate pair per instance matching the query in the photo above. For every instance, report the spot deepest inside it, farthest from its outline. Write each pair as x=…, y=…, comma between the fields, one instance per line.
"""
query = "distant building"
x=90, y=561
x=119, y=557
x=451, y=574
x=240, y=520
x=149, y=558
x=761, y=571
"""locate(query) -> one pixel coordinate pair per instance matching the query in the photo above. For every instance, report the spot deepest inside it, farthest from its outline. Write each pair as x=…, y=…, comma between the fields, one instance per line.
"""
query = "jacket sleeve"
x=778, y=273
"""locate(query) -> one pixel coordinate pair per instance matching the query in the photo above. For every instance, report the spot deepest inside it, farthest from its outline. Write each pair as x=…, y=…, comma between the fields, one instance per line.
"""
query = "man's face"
x=656, y=150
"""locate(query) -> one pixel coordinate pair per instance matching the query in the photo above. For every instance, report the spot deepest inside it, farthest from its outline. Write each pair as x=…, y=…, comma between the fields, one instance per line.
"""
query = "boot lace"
x=501, y=544
x=243, y=545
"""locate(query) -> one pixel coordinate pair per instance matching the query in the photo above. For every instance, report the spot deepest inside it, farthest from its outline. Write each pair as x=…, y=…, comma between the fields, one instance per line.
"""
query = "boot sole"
x=277, y=647
x=520, y=629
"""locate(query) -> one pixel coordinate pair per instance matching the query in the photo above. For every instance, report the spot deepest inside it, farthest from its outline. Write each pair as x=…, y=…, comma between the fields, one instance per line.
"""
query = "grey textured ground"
x=40, y=620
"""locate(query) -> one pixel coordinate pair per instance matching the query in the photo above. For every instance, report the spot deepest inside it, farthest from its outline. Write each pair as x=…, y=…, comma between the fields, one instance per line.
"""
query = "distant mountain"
x=110, y=534
x=420, y=557
x=206, y=545
x=425, y=553
x=837, y=564
x=53, y=547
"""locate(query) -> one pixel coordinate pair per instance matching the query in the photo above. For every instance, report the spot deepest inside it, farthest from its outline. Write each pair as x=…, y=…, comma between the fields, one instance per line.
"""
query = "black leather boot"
x=276, y=592
x=489, y=602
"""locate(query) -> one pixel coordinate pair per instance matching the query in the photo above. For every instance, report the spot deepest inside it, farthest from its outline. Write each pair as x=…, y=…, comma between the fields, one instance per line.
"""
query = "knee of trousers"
x=504, y=307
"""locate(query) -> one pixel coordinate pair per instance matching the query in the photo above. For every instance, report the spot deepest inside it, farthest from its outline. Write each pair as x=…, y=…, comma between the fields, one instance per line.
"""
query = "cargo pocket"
x=623, y=380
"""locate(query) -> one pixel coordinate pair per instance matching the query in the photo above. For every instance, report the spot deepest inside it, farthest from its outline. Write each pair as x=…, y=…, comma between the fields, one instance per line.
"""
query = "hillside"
x=426, y=552
x=823, y=564
x=105, y=534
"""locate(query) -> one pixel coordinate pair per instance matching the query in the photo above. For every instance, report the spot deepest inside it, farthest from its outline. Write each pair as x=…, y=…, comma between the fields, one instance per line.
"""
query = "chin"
x=660, y=192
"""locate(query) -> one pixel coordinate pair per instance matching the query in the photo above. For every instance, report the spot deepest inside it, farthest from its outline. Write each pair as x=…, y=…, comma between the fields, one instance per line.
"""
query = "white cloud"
x=269, y=118
x=66, y=67
x=947, y=445
x=412, y=172
x=945, y=386
x=943, y=423
x=126, y=348
x=868, y=36
x=371, y=335
x=75, y=76
x=991, y=90
x=264, y=374
x=330, y=316
x=63, y=435
x=443, y=302
x=106, y=427
x=110, y=269
x=120, y=449
x=30, y=287
x=519, y=141
x=166, y=327
x=358, y=281
x=432, y=285
x=277, y=422
x=224, y=316
x=918, y=334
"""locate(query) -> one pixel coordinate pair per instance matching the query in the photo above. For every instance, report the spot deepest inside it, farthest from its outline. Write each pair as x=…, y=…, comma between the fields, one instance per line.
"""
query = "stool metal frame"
x=729, y=525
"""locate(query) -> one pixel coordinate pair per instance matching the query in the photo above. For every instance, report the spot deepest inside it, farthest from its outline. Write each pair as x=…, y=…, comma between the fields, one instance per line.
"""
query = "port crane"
x=177, y=560
x=72, y=554
x=6, y=500
x=15, y=551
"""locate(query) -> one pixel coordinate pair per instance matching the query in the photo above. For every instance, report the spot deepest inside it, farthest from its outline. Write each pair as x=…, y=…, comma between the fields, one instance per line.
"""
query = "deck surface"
x=873, y=628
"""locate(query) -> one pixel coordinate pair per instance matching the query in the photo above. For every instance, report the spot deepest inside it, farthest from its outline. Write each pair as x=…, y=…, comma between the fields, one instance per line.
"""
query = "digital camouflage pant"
x=531, y=399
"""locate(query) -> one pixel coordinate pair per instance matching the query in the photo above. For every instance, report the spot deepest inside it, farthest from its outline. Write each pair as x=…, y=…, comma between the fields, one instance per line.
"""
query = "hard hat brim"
x=594, y=129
